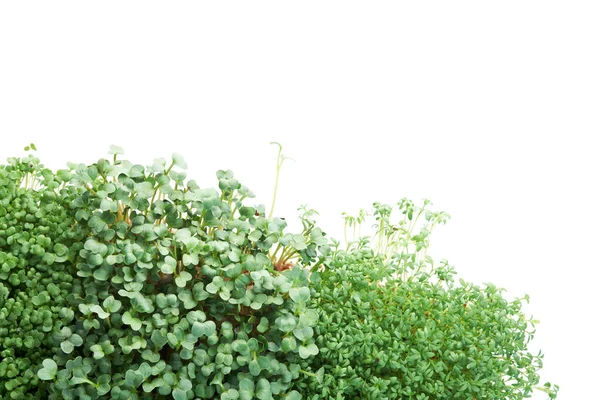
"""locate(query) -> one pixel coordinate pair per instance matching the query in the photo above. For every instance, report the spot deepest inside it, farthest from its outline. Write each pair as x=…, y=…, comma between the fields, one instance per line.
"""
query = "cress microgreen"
x=395, y=324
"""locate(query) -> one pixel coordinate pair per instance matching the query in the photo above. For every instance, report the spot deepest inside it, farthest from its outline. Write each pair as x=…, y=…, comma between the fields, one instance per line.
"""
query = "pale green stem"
x=279, y=164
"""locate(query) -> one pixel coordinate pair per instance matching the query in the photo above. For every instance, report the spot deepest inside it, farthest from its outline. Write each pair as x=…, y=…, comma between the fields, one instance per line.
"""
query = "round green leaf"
x=179, y=161
x=300, y=295
x=115, y=150
x=286, y=323
x=67, y=346
x=307, y=351
x=207, y=328
x=263, y=326
x=48, y=372
x=263, y=390
x=293, y=395
x=111, y=305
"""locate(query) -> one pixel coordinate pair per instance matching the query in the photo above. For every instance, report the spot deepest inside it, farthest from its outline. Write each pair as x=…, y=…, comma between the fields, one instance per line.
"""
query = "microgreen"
x=36, y=275
x=394, y=324
x=171, y=289
x=124, y=281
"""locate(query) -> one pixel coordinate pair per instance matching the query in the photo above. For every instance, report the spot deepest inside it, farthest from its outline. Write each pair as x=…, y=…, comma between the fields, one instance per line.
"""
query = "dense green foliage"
x=36, y=274
x=395, y=326
x=174, y=294
x=128, y=282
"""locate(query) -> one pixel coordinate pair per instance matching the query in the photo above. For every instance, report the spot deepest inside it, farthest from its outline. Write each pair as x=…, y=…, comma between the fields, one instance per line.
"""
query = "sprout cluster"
x=36, y=272
x=394, y=325
x=141, y=284
x=122, y=281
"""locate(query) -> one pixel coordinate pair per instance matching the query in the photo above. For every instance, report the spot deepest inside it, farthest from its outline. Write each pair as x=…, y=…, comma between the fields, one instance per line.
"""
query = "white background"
x=489, y=110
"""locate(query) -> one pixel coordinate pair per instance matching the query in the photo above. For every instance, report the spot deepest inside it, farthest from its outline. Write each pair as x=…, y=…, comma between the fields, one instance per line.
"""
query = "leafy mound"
x=128, y=282
x=175, y=290
x=395, y=326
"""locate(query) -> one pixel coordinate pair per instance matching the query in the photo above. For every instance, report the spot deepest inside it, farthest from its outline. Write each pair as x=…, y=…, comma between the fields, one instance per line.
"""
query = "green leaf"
x=253, y=344
x=300, y=295
x=169, y=265
x=133, y=378
x=199, y=293
x=98, y=351
x=303, y=333
x=320, y=374
x=145, y=369
x=158, y=165
x=183, y=234
x=182, y=279
x=293, y=395
x=286, y=323
x=179, y=394
x=246, y=389
x=288, y=344
x=179, y=161
x=104, y=380
x=144, y=189
x=76, y=380
x=103, y=273
x=307, y=351
x=177, y=177
x=254, y=368
x=48, y=372
x=135, y=323
x=207, y=328
x=233, y=256
x=190, y=259
x=309, y=317
x=158, y=339
x=95, y=260
x=115, y=150
x=188, y=300
x=263, y=390
x=263, y=325
x=76, y=340
x=97, y=225
x=298, y=242
x=150, y=356
x=114, y=259
x=99, y=311
x=240, y=346
x=67, y=346
x=212, y=288
x=111, y=305
x=185, y=385
x=231, y=394
x=225, y=293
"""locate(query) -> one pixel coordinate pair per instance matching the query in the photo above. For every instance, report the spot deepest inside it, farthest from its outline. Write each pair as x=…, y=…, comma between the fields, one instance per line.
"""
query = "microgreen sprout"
x=125, y=281
x=163, y=287
x=395, y=324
